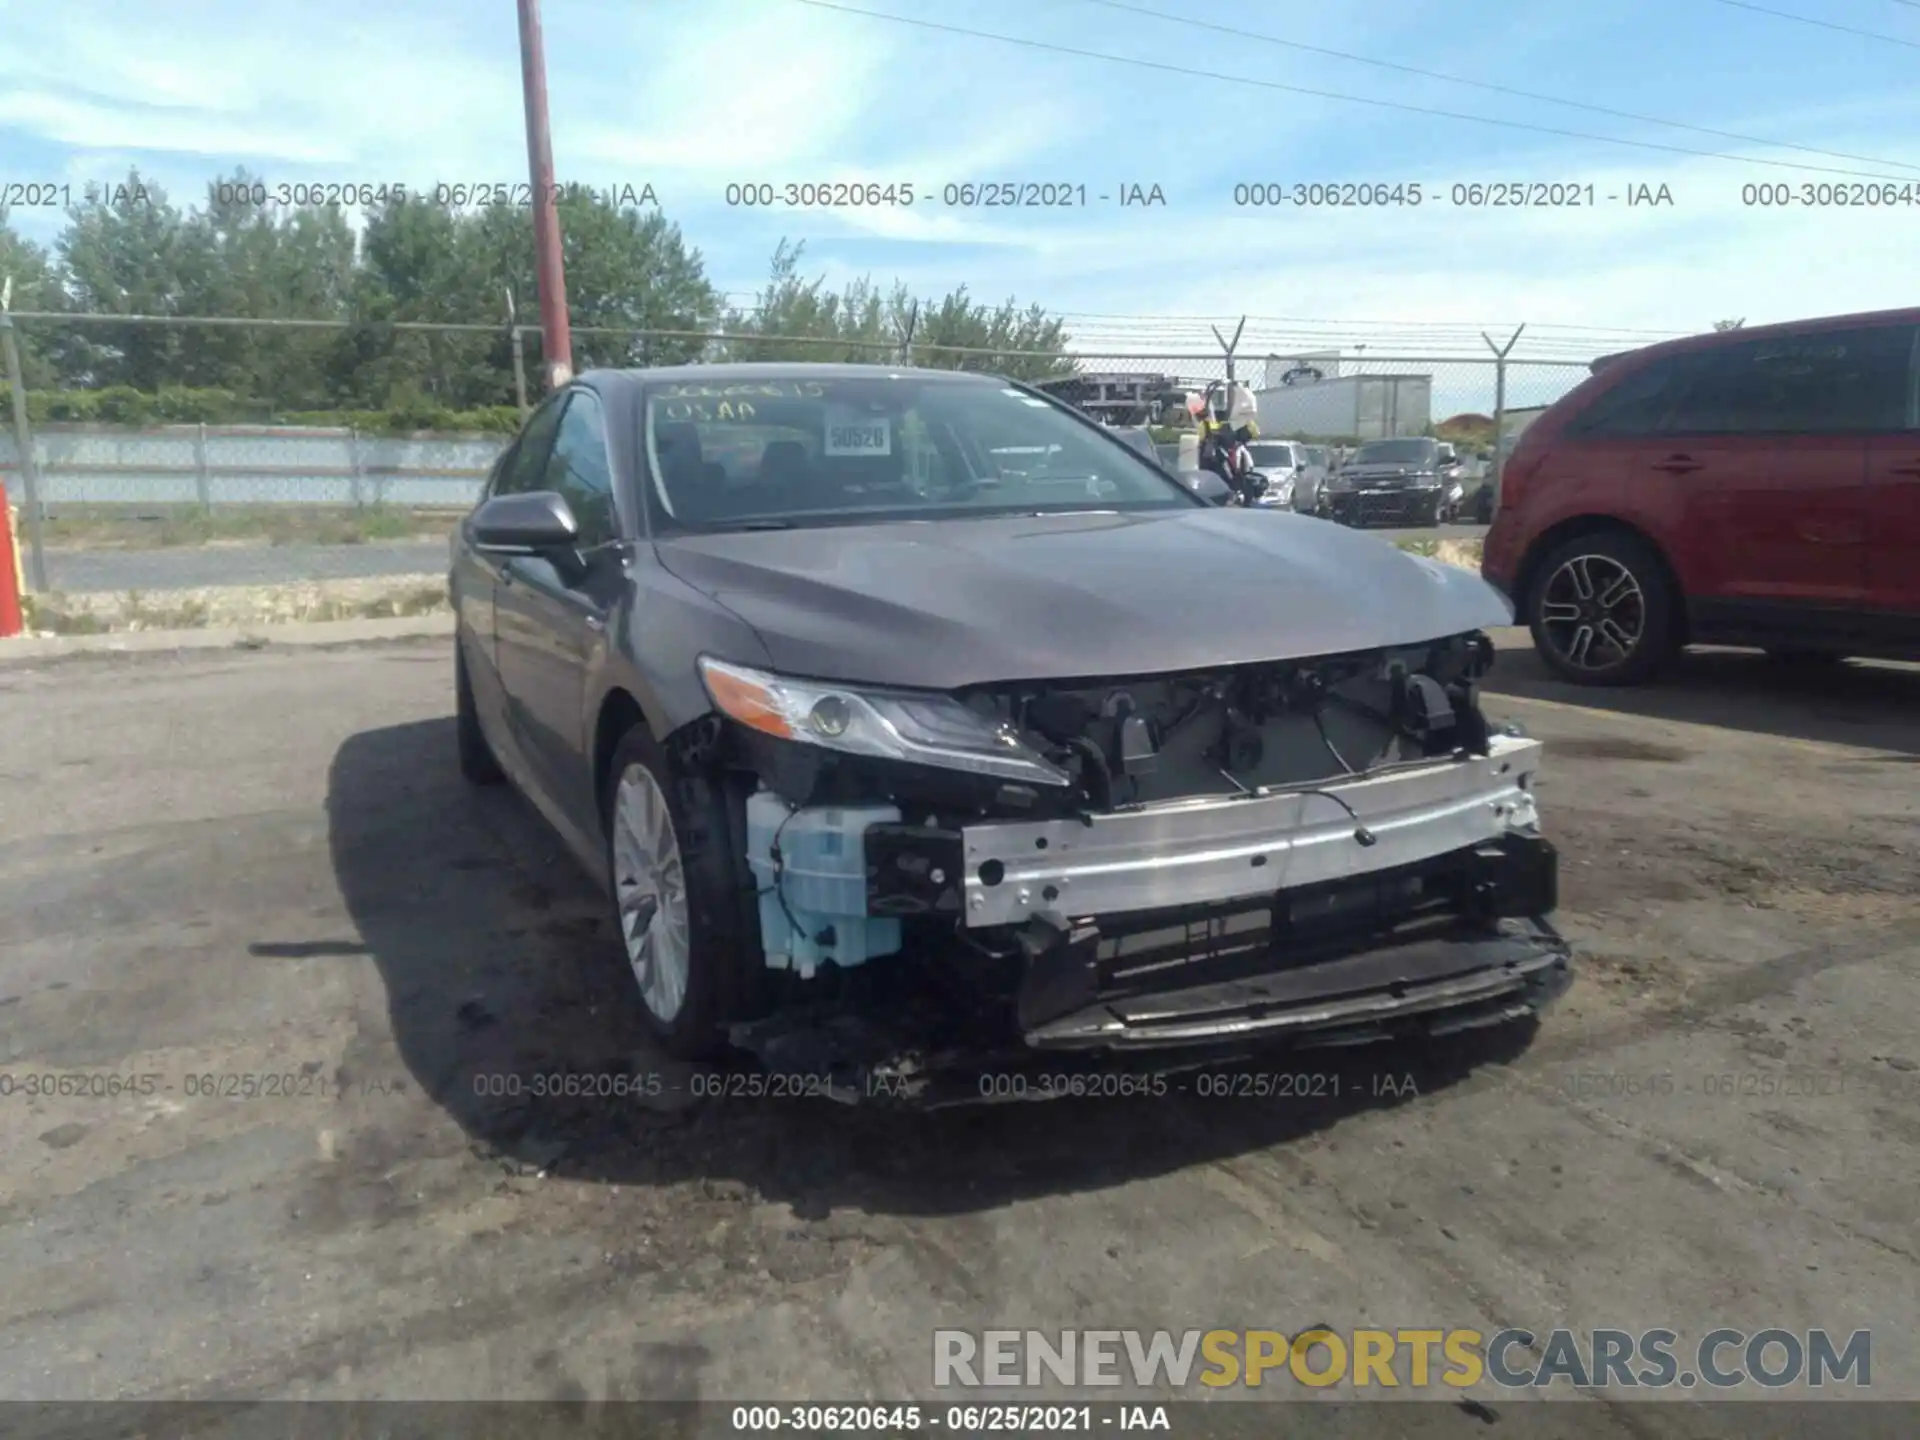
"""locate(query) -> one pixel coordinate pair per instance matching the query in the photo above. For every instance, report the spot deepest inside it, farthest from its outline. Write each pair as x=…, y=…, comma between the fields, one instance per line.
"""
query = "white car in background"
x=1295, y=473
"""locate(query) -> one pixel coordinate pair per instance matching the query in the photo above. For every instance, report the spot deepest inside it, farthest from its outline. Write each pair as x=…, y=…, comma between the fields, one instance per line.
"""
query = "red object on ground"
x=12, y=619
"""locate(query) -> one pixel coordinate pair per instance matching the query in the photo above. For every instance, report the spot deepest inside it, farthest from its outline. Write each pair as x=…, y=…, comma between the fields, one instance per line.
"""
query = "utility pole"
x=556, y=335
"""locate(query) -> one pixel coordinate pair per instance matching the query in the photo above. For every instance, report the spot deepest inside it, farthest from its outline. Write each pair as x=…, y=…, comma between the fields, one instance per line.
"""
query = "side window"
x=1840, y=382
x=522, y=468
x=578, y=469
x=1641, y=402
x=496, y=472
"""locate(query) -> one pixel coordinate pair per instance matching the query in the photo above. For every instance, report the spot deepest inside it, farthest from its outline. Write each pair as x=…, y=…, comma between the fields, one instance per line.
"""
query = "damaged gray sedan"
x=914, y=722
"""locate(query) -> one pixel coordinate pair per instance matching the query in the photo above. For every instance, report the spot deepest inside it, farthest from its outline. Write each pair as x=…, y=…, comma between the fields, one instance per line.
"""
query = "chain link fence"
x=119, y=416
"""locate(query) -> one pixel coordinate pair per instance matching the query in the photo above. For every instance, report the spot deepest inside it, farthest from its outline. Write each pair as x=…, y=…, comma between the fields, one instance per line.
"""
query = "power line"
x=1214, y=75
x=1498, y=89
x=1823, y=24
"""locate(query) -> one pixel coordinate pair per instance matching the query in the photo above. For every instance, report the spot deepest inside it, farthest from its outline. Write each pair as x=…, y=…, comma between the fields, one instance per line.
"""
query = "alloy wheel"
x=650, y=888
x=1593, y=612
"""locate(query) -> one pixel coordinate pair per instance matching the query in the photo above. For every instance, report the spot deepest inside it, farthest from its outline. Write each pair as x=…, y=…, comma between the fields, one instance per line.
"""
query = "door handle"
x=1678, y=464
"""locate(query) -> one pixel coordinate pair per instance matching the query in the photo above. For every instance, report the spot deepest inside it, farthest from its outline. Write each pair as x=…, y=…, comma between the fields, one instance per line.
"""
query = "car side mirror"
x=538, y=523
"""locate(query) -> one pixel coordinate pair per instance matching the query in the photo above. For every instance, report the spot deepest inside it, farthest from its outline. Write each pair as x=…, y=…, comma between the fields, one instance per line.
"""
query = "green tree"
x=803, y=320
x=36, y=286
x=859, y=323
x=1025, y=344
x=627, y=269
x=121, y=254
x=241, y=258
x=129, y=250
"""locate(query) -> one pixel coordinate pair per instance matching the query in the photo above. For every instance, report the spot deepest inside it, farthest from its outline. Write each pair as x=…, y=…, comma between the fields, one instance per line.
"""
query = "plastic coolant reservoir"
x=822, y=880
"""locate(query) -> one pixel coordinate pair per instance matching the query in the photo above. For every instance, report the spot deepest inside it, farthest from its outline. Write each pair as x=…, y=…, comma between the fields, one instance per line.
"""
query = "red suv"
x=1750, y=487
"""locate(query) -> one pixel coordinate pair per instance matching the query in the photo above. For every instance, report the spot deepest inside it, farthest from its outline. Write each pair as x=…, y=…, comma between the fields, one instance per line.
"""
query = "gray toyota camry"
x=911, y=720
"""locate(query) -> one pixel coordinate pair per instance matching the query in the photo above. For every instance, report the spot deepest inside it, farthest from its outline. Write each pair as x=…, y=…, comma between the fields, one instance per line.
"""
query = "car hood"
x=949, y=603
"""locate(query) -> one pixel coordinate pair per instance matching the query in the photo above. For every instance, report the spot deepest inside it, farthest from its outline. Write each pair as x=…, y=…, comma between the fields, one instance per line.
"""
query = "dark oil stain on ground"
x=1611, y=748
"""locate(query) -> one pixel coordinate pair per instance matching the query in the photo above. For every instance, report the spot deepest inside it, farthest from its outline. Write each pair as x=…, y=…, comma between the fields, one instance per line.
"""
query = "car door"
x=478, y=576
x=1893, y=508
x=551, y=618
x=1796, y=413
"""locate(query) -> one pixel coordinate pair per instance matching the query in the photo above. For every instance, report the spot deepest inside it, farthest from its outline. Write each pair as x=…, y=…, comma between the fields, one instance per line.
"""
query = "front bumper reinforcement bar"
x=1210, y=851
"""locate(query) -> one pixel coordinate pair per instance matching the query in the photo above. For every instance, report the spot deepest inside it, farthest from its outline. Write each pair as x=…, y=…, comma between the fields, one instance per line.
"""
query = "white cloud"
x=690, y=96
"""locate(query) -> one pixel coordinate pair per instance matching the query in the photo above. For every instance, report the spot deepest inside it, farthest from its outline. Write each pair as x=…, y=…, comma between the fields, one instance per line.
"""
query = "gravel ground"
x=262, y=863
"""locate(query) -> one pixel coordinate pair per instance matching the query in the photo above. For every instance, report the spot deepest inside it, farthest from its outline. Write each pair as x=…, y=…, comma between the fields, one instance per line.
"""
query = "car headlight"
x=1426, y=480
x=1339, y=482
x=918, y=727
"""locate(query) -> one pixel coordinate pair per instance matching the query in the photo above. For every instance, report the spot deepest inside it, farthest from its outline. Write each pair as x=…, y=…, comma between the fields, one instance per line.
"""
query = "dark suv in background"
x=1412, y=481
x=1750, y=487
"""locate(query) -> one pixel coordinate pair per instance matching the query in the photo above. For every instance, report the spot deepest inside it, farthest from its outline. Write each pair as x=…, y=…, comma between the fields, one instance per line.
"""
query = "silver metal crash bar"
x=1203, y=852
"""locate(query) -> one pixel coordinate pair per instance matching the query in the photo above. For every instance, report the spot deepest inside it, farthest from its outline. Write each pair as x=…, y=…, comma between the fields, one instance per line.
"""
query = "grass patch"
x=147, y=527
x=238, y=606
x=1419, y=546
x=47, y=615
x=423, y=600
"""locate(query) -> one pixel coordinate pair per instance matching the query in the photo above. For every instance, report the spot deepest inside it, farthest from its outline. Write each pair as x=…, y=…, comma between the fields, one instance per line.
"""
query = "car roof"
x=746, y=372
x=1781, y=330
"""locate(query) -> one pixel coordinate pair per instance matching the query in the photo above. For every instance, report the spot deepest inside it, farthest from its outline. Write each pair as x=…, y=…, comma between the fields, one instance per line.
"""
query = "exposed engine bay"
x=1319, y=851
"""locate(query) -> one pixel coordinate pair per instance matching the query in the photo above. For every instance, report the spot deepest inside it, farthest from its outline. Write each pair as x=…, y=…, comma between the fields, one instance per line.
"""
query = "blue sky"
x=690, y=94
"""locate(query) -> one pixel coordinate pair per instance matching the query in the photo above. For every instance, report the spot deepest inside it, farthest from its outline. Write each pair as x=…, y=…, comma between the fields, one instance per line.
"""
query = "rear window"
x=1823, y=382
x=1272, y=455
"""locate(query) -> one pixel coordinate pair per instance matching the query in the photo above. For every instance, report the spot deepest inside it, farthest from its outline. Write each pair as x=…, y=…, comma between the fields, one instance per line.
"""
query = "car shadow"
x=1856, y=703
x=503, y=979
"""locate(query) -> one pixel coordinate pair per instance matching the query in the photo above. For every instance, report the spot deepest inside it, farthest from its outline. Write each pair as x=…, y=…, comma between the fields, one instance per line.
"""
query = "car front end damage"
x=1158, y=871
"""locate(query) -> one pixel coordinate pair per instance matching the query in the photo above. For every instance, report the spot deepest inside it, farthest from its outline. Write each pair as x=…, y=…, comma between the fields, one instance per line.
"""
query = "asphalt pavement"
x=185, y=568
x=285, y=1008
x=74, y=572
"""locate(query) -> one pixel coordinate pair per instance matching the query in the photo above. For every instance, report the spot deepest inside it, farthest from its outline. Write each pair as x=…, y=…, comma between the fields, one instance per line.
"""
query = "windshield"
x=1395, y=452
x=785, y=451
x=1278, y=457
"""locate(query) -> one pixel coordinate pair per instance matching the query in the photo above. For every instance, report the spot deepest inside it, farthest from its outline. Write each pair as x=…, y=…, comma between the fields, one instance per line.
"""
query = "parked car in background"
x=1755, y=487
x=1307, y=493
x=1293, y=476
x=1410, y=482
x=846, y=721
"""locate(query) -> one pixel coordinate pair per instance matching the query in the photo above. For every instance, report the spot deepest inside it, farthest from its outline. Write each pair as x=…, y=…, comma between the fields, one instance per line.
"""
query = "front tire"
x=1603, y=611
x=675, y=872
x=478, y=764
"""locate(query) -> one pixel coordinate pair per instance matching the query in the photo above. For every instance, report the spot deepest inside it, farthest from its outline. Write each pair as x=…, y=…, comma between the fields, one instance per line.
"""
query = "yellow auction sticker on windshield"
x=853, y=433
